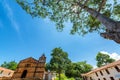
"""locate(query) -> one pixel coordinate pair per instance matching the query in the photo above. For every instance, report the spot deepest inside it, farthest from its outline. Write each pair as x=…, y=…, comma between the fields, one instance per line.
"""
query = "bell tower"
x=42, y=59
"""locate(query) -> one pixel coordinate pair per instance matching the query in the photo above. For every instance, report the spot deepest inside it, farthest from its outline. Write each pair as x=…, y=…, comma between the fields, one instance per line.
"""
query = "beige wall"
x=113, y=73
x=5, y=72
x=51, y=76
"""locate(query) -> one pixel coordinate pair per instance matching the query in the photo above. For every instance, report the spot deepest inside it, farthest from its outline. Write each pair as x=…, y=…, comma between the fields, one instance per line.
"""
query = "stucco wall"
x=113, y=73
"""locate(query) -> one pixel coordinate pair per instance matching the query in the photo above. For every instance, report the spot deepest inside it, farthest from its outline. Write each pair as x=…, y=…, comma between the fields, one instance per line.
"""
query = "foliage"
x=59, y=61
x=60, y=64
x=63, y=77
x=75, y=69
x=47, y=66
x=10, y=65
x=103, y=59
x=61, y=11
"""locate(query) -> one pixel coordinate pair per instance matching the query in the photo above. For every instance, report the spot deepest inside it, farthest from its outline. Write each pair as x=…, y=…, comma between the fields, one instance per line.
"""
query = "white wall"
x=113, y=73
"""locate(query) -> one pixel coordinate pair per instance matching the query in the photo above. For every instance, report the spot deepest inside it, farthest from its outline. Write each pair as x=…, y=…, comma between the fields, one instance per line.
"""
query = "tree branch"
x=112, y=36
x=101, y=5
x=84, y=4
x=58, y=1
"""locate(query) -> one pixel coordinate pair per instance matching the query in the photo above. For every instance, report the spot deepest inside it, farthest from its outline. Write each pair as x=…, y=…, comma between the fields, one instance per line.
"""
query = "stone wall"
x=27, y=79
x=30, y=69
x=5, y=78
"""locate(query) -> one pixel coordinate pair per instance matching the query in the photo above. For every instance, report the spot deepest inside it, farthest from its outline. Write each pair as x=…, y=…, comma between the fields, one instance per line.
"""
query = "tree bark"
x=59, y=72
x=59, y=76
x=112, y=36
x=112, y=27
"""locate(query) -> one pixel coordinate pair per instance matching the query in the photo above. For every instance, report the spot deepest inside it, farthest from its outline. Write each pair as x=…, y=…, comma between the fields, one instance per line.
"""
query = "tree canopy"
x=85, y=15
x=103, y=59
x=10, y=65
x=61, y=64
x=76, y=69
x=59, y=61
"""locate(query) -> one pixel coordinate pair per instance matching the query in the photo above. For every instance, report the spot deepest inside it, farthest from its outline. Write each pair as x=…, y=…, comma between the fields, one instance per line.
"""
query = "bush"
x=63, y=77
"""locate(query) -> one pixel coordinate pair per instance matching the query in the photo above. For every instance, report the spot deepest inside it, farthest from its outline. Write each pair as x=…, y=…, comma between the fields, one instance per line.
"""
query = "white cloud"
x=112, y=55
x=10, y=15
x=94, y=66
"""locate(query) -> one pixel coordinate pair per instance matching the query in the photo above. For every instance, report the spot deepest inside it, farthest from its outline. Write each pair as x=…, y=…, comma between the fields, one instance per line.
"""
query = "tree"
x=63, y=77
x=10, y=65
x=58, y=61
x=85, y=15
x=75, y=69
x=103, y=59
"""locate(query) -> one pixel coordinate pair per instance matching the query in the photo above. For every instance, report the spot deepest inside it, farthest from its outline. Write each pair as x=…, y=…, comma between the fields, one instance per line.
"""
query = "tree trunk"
x=59, y=76
x=112, y=27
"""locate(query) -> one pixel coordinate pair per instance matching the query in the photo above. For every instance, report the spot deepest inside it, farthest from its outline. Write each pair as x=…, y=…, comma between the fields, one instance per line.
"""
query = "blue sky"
x=22, y=36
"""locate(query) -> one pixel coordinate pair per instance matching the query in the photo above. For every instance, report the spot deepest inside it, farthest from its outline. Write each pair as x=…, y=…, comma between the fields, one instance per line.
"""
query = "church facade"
x=30, y=69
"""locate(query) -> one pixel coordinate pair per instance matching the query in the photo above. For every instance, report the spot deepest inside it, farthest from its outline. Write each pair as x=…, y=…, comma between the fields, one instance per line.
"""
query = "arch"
x=24, y=74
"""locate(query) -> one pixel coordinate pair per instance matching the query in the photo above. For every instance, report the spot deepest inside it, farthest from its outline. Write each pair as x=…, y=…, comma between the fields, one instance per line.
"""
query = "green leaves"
x=75, y=69
x=10, y=65
x=77, y=12
x=60, y=63
x=103, y=59
x=59, y=60
x=93, y=24
x=59, y=12
x=107, y=13
x=117, y=10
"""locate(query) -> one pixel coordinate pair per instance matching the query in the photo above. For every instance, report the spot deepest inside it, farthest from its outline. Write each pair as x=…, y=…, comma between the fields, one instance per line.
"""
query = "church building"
x=30, y=69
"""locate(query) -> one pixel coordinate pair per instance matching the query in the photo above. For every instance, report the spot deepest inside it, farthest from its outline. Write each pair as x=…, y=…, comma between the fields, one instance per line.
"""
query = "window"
x=107, y=71
x=27, y=65
x=111, y=78
x=101, y=73
x=1, y=72
x=116, y=67
x=85, y=78
x=96, y=74
x=104, y=78
x=90, y=78
x=9, y=73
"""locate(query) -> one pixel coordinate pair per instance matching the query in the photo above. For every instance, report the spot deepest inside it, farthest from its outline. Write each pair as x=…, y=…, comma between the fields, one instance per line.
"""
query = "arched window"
x=24, y=74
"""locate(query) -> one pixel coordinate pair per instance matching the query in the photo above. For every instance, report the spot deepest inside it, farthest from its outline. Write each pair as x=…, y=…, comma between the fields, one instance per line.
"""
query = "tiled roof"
x=29, y=59
x=103, y=67
x=1, y=68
